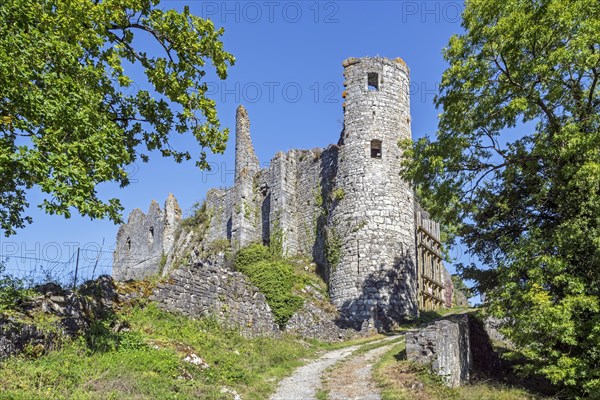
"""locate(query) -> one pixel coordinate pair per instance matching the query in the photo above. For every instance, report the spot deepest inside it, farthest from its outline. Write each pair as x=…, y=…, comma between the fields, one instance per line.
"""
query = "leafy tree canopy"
x=70, y=116
x=515, y=172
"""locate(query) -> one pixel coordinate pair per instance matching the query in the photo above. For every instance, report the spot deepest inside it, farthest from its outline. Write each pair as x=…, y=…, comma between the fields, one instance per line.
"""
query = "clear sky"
x=288, y=75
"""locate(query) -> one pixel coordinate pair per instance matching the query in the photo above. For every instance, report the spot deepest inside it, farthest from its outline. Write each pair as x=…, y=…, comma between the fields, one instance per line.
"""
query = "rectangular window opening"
x=375, y=148
x=373, y=81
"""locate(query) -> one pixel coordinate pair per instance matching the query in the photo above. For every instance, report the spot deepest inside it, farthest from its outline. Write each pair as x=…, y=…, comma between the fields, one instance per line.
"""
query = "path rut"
x=306, y=380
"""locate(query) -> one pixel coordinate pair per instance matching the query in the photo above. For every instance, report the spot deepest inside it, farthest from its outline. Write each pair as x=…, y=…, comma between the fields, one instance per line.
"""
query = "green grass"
x=376, y=345
x=399, y=379
x=321, y=395
x=147, y=362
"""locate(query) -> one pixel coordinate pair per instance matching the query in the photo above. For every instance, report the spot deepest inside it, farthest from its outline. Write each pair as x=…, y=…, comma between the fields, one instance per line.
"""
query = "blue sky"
x=288, y=74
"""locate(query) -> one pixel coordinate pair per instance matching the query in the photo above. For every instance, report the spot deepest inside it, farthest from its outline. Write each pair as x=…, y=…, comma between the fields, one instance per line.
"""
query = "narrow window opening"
x=375, y=148
x=151, y=235
x=373, y=81
x=128, y=243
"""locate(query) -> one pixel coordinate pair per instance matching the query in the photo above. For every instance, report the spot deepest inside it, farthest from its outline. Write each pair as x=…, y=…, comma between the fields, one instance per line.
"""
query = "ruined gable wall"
x=142, y=241
x=291, y=192
x=219, y=207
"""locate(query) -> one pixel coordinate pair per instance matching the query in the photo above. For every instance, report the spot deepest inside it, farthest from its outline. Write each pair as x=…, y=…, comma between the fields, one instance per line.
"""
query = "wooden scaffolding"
x=430, y=273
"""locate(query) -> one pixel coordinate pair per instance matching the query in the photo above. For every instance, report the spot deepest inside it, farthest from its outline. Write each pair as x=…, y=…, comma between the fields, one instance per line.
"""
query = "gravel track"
x=306, y=380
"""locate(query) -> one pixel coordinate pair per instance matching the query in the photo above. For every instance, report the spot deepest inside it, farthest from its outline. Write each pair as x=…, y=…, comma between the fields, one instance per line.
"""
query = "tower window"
x=375, y=148
x=128, y=243
x=373, y=81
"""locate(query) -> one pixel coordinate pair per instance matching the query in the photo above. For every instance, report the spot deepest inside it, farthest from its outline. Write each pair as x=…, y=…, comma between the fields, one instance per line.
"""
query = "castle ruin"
x=345, y=206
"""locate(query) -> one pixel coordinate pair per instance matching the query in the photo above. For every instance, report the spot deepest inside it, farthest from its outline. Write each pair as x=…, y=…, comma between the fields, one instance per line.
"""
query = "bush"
x=199, y=218
x=274, y=277
x=12, y=290
x=276, y=280
x=250, y=255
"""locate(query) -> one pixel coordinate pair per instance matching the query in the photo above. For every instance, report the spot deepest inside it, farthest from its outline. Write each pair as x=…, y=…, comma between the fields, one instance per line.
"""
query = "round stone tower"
x=373, y=276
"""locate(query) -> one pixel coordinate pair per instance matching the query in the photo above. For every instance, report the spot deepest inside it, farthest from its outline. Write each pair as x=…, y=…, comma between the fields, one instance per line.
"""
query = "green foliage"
x=73, y=119
x=162, y=263
x=276, y=241
x=216, y=247
x=333, y=247
x=318, y=196
x=199, y=218
x=338, y=194
x=276, y=280
x=459, y=285
x=12, y=290
x=526, y=201
x=101, y=338
x=274, y=277
x=251, y=254
x=147, y=362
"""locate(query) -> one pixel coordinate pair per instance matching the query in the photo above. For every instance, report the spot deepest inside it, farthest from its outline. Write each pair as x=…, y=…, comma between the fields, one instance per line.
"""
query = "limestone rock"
x=312, y=322
x=172, y=219
x=15, y=336
x=445, y=345
x=74, y=312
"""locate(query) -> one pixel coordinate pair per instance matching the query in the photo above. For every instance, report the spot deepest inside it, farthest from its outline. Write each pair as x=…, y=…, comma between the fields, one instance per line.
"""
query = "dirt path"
x=306, y=380
x=352, y=379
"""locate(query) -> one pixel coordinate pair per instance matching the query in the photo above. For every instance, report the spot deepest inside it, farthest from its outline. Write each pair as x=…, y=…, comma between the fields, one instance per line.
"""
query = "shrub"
x=276, y=241
x=276, y=280
x=338, y=194
x=12, y=290
x=199, y=219
x=273, y=276
x=251, y=254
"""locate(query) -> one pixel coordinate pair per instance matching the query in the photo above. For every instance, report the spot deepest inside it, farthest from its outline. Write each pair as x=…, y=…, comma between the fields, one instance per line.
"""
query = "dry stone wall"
x=204, y=291
x=445, y=345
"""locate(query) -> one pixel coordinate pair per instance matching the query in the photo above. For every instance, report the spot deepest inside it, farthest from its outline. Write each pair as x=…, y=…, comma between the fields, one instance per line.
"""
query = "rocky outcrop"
x=317, y=319
x=16, y=336
x=71, y=312
x=312, y=322
x=445, y=345
x=493, y=326
x=448, y=289
x=212, y=291
x=460, y=299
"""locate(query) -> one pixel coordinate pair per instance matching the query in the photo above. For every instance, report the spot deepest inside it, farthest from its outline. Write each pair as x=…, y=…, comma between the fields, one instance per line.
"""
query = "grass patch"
x=146, y=362
x=376, y=345
x=398, y=379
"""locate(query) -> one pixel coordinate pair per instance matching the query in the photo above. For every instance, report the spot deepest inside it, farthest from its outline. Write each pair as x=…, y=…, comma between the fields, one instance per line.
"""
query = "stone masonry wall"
x=374, y=280
x=214, y=291
x=145, y=239
x=219, y=207
x=345, y=206
x=445, y=345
